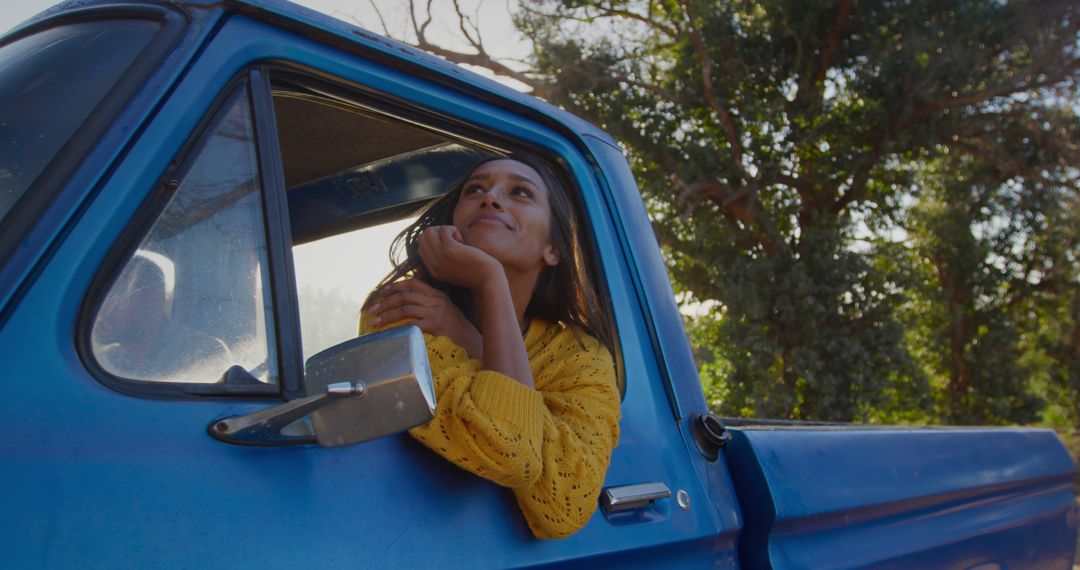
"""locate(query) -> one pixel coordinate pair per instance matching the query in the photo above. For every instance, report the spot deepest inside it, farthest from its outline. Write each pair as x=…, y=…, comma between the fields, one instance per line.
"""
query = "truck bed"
x=832, y=496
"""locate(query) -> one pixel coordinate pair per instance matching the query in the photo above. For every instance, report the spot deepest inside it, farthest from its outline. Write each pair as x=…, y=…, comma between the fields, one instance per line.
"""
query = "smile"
x=489, y=219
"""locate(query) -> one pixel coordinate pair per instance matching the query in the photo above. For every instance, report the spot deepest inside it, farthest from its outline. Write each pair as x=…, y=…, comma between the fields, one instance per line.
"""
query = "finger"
x=434, y=249
x=399, y=286
x=428, y=258
x=402, y=298
x=427, y=235
x=430, y=239
x=402, y=313
x=451, y=235
x=426, y=289
x=455, y=234
x=414, y=285
x=429, y=246
x=453, y=246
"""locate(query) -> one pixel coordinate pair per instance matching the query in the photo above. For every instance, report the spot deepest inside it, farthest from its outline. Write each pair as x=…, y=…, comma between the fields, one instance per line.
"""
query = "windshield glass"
x=50, y=83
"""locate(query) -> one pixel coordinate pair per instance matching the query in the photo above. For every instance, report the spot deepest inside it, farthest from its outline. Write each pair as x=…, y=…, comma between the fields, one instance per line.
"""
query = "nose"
x=490, y=199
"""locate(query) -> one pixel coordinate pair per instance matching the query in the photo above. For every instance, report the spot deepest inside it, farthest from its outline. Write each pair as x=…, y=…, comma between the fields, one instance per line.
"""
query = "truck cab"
x=197, y=197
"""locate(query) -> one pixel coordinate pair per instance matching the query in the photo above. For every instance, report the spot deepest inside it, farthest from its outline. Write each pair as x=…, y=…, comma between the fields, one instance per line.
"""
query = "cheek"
x=542, y=232
x=458, y=216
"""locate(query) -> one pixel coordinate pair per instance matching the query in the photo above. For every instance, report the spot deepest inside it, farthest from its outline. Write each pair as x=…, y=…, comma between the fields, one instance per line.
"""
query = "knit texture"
x=551, y=446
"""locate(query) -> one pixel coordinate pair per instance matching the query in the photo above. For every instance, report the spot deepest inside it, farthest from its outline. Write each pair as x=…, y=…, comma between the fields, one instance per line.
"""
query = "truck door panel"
x=133, y=480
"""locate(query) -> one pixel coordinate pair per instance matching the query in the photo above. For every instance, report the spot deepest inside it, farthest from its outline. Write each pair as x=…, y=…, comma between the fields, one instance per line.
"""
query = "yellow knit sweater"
x=551, y=445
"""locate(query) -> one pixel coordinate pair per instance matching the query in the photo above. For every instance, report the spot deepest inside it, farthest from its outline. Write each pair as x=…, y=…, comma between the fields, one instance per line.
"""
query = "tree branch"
x=463, y=20
x=1027, y=79
x=741, y=210
x=382, y=21
x=832, y=39
x=479, y=59
x=648, y=20
x=610, y=12
x=857, y=190
x=421, y=29
x=1005, y=163
x=726, y=120
x=598, y=80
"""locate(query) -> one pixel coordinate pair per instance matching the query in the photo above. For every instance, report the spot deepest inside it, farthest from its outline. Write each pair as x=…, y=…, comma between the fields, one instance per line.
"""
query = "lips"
x=489, y=219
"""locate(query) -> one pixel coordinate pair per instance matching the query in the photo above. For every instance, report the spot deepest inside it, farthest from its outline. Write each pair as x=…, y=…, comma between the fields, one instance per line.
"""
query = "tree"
x=778, y=143
x=971, y=233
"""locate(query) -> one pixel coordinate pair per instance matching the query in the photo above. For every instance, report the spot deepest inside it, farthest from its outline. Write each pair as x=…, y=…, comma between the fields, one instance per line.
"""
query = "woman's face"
x=504, y=210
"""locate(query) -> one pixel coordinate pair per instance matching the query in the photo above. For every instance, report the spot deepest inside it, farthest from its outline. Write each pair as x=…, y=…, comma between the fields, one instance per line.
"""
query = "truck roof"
x=350, y=37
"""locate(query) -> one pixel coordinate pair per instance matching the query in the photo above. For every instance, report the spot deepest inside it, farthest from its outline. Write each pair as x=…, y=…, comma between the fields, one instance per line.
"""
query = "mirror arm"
x=265, y=427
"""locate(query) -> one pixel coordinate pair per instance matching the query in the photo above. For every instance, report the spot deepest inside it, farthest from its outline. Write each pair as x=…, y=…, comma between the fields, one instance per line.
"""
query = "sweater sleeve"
x=484, y=422
x=551, y=446
x=581, y=428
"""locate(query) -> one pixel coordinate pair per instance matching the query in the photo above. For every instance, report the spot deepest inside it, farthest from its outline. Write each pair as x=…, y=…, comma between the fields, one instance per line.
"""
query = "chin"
x=483, y=244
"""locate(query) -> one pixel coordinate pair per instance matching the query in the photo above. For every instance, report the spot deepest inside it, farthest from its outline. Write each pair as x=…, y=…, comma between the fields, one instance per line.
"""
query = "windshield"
x=50, y=83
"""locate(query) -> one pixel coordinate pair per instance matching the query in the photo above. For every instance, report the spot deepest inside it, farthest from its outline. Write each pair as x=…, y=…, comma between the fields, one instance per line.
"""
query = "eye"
x=472, y=189
x=523, y=192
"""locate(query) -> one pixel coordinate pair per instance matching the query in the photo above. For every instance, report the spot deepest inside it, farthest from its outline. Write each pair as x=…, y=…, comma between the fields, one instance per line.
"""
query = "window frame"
x=259, y=79
x=130, y=239
x=401, y=109
x=397, y=108
x=283, y=295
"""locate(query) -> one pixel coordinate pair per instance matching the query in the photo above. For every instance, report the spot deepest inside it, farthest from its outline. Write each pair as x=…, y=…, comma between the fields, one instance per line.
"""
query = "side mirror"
x=365, y=388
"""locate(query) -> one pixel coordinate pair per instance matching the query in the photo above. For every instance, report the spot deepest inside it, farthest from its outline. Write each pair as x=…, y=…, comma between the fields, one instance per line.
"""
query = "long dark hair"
x=564, y=293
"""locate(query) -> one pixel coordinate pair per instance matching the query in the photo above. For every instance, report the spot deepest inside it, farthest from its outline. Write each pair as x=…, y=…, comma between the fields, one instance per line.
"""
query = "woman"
x=520, y=354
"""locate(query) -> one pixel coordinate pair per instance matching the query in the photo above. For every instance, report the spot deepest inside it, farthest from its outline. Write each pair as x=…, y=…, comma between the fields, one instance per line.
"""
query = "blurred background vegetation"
x=870, y=210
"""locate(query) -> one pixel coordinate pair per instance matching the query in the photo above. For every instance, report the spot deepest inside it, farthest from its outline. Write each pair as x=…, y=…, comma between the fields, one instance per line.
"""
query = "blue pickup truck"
x=175, y=398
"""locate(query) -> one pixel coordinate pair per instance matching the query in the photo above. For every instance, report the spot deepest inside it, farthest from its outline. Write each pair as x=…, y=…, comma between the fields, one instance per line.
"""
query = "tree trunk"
x=961, y=372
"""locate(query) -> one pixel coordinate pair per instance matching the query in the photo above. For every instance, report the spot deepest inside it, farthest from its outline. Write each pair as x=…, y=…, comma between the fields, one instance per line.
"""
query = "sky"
x=15, y=13
x=493, y=16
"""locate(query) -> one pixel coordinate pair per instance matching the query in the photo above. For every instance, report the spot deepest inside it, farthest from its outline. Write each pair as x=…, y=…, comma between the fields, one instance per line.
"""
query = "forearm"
x=503, y=348
x=552, y=447
x=484, y=422
x=578, y=444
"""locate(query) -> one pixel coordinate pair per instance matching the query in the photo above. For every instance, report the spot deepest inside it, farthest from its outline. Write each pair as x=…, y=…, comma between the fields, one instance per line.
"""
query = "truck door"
x=187, y=292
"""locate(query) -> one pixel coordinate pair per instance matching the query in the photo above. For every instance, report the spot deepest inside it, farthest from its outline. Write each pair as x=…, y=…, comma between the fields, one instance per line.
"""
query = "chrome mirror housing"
x=365, y=388
x=398, y=394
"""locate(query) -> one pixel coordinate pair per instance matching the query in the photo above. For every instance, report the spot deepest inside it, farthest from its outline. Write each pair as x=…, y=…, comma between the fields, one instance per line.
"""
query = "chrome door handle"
x=626, y=497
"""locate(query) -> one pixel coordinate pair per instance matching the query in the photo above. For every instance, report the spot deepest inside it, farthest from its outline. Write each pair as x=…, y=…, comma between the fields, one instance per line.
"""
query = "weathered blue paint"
x=855, y=497
x=94, y=478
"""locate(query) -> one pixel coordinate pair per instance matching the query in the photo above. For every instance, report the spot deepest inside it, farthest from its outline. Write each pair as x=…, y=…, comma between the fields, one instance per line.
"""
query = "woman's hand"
x=429, y=309
x=448, y=258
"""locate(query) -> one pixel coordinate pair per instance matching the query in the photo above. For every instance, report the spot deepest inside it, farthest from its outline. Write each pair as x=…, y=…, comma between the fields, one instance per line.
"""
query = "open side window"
x=276, y=226
x=355, y=177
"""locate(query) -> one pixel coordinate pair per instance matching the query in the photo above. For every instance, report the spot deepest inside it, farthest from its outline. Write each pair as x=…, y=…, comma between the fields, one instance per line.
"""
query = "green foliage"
x=816, y=336
x=969, y=231
x=873, y=202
